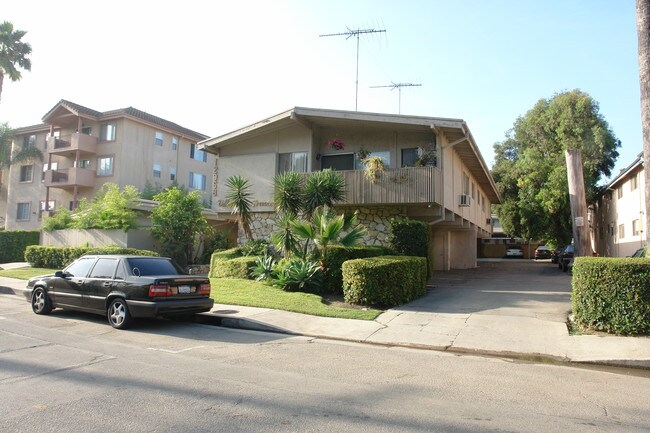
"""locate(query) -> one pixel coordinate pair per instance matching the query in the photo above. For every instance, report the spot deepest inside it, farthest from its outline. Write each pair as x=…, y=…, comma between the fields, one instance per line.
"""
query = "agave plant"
x=300, y=275
x=263, y=268
x=239, y=198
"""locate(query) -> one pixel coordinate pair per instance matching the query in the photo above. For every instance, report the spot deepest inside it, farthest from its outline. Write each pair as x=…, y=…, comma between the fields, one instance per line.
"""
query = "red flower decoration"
x=336, y=143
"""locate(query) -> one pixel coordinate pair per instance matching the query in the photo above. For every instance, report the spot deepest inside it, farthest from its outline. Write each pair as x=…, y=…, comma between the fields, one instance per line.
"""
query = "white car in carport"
x=515, y=251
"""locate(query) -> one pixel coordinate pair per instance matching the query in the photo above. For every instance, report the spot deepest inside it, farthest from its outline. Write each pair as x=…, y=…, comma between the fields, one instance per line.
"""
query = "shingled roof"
x=129, y=112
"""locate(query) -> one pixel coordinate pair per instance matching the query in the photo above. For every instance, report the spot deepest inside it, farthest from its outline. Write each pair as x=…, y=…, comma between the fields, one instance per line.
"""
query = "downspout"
x=441, y=160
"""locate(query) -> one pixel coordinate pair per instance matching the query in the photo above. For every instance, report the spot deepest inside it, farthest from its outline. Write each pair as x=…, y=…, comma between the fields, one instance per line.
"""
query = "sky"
x=217, y=66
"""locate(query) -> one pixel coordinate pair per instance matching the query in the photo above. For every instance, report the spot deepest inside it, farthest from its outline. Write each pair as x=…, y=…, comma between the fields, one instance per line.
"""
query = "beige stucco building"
x=453, y=192
x=617, y=217
x=83, y=149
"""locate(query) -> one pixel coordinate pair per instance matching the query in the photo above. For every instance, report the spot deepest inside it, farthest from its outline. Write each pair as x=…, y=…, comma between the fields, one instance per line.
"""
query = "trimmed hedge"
x=239, y=267
x=13, y=244
x=223, y=255
x=385, y=280
x=337, y=255
x=411, y=238
x=612, y=294
x=59, y=257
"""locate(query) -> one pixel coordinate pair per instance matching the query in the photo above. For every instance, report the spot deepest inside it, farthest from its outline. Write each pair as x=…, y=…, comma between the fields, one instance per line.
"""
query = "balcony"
x=70, y=177
x=409, y=185
x=63, y=145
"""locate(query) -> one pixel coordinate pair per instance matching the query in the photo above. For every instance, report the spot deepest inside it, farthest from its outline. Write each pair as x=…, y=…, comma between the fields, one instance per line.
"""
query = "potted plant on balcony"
x=373, y=168
x=363, y=153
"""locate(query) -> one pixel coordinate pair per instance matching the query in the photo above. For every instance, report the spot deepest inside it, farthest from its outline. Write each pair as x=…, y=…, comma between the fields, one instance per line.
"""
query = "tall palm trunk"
x=643, y=32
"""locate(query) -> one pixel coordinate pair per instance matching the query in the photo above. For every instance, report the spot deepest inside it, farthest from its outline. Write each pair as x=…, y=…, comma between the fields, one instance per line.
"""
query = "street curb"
x=539, y=358
x=7, y=290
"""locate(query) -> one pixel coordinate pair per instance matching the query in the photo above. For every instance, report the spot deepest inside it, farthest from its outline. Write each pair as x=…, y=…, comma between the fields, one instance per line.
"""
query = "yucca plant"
x=323, y=188
x=239, y=198
x=288, y=192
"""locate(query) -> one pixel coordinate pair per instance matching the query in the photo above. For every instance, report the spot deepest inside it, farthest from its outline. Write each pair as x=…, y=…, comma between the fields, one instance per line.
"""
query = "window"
x=22, y=212
x=465, y=184
x=172, y=173
x=296, y=161
x=104, y=268
x=83, y=163
x=26, y=173
x=621, y=231
x=337, y=162
x=160, y=138
x=409, y=157
x=50, y=207
x=29, y=141
x=174, y=143
x=383, y=154
x=636, y=228
x=107, y=132
x=80, y=268
x=198, y=154
x=157, y=170
x=197, y=181
x=619, y=192
x=105, y=166
x=52, y=166
x=87, y=130
x=634, y=182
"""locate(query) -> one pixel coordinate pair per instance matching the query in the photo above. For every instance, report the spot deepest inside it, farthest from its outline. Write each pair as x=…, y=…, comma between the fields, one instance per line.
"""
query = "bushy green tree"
x=530, y=168
x=177, y=222
x=14, y=53
x=111, y=209
x=61, y=220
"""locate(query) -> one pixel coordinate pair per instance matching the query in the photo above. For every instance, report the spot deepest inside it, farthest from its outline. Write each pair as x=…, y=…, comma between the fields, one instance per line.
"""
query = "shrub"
x=263, y=269
x=219, y=256
x=59, y=257
x=384, y=280
x=411, y=238
x=298, y=275
x=14, y=243
x=257, y=247
x=612, y=294
x=338, y=255
x=61, y=220
x=238, y=267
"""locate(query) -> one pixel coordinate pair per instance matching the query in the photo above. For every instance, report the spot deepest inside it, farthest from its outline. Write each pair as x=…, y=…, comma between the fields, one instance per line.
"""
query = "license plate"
x=184, y=289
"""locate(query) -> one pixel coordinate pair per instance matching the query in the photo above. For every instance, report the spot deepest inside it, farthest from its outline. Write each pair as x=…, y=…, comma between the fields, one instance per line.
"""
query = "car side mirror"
x=61, y=274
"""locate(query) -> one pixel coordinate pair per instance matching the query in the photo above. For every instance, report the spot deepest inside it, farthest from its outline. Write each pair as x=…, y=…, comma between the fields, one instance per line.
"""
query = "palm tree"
x=26, y=153
x=239, y=198
x=643, y=32
x=13, y=53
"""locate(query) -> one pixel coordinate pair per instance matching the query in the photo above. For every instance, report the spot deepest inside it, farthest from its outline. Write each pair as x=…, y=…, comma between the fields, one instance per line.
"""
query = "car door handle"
x=107, y=284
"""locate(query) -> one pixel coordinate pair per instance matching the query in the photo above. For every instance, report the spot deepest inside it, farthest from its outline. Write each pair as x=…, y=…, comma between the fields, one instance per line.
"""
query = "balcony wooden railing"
x=66, y=143
x=70, y=177
x=409, y=185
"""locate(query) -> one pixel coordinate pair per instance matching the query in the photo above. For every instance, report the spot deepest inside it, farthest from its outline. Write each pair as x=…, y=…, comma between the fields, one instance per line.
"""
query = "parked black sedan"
x=565, y=258
x=122, y=288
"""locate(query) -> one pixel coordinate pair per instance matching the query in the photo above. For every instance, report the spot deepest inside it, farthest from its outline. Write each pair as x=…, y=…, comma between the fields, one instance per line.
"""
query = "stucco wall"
x=140, y=239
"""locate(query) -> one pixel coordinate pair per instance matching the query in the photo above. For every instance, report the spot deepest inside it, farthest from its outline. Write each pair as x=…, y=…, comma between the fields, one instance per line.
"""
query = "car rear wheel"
x=118, y=314
x=40, y=302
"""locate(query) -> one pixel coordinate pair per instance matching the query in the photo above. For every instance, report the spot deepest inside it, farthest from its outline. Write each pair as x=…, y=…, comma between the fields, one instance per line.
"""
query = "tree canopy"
x=530, y=169
x=14, y=53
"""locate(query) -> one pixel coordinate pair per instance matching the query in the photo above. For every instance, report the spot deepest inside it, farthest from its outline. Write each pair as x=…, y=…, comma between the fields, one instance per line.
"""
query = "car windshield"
x=151, y=266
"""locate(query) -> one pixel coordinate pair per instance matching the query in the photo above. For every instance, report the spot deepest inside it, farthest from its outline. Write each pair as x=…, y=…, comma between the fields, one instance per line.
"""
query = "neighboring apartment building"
x=83, y=149
x=453, y=192
x=618, y=215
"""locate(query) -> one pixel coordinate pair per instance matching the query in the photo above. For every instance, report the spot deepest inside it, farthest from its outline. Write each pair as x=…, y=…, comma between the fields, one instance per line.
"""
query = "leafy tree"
x=239, y=198
x=530, y=168
x=61, y=220
x=177, y=222
x=13, y=53
x=111, y=209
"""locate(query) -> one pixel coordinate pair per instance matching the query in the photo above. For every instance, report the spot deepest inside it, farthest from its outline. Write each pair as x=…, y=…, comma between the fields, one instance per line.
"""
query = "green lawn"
x=255, y=294
x=26, y=273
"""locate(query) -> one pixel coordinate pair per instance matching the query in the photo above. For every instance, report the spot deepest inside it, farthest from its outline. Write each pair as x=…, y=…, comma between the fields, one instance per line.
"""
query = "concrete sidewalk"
x=514, y=309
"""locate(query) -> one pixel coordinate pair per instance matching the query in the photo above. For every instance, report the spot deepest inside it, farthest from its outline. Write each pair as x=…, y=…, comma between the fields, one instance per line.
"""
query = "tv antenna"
x=398, y=86
x=349, y=33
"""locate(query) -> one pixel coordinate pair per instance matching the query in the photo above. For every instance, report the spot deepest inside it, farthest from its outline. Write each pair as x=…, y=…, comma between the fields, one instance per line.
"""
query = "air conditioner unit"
x=465, y=200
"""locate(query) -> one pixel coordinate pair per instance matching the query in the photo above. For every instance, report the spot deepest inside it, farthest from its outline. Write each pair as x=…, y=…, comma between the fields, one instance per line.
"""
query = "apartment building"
x=617, y=216
x=450, y=188
x=82, y=149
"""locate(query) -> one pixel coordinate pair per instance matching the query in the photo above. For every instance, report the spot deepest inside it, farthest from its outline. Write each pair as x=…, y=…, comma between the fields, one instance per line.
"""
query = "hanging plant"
x=426, y=158
x=363, y=153
x=373, y=168
x=336, y=144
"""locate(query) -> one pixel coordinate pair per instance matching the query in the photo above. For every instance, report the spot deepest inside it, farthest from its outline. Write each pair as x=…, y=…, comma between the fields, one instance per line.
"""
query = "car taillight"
x=204, y=289
x=159, y=290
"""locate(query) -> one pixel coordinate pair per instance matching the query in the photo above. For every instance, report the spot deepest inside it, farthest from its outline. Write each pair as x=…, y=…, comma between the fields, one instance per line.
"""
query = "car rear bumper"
x=169, y=308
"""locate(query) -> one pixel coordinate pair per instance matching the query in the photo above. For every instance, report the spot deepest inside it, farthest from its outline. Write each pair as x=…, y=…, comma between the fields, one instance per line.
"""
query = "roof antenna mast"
x=349, y=33
x=398, y=86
